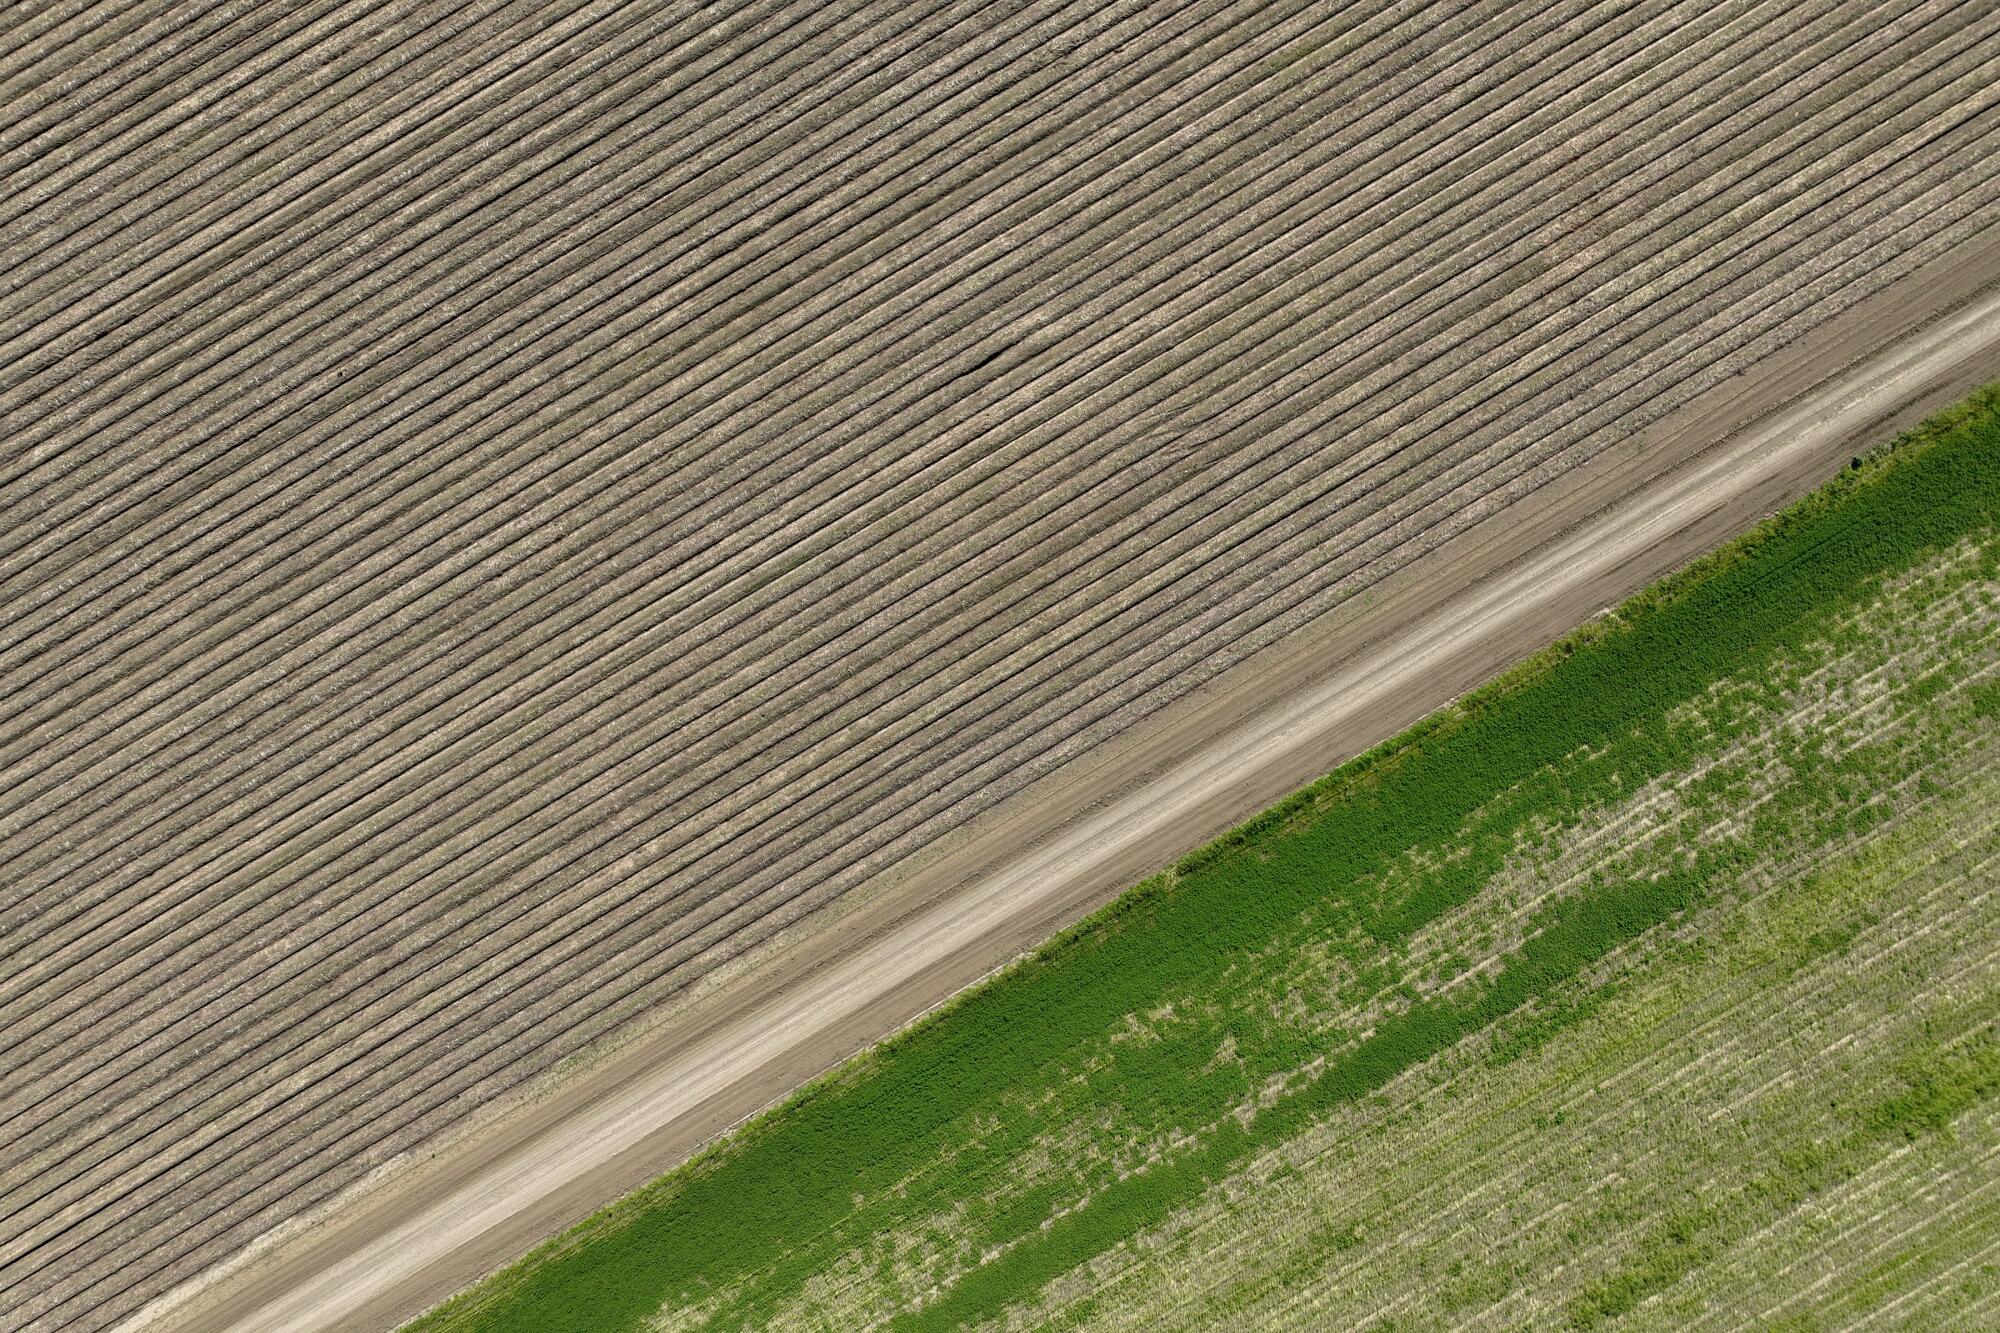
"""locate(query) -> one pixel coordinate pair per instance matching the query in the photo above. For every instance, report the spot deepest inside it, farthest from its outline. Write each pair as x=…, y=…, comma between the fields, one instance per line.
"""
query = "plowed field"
x=505, y=506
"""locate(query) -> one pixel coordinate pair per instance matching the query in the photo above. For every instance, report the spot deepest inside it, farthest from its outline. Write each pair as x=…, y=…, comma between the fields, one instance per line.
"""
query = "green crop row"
x=877, y=1146
x=1937, y=1088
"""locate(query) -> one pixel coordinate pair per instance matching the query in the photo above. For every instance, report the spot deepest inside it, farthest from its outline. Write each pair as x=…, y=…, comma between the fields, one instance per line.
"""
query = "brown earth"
x=508, y=507
x=1463, y=613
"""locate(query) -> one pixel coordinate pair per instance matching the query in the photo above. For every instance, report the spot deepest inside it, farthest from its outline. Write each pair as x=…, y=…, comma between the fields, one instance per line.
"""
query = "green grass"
x=1937, y=1087
x=943, y=1114
x=1711, y=1086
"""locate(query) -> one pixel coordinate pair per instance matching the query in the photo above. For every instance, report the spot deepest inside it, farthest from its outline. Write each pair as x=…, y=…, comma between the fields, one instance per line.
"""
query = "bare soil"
x=1013, y=877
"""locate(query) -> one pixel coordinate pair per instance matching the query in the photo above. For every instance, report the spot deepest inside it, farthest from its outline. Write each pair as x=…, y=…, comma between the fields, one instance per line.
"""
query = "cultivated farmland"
x=1658, y=984
x=504, y=507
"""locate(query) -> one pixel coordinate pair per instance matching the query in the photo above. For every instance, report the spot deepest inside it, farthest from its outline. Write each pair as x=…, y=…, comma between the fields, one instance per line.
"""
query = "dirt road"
x=1458, y=617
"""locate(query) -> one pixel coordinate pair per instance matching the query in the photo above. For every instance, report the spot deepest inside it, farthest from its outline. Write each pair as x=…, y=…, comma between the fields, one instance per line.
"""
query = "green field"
x=1653, y=984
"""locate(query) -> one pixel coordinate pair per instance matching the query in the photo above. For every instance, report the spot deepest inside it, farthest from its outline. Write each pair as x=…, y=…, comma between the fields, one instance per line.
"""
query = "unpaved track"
x=1472, y=608
x=507, y=507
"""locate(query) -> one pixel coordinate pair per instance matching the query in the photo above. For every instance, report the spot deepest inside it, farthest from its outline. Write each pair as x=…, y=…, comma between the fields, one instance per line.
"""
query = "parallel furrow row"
x=507, y=508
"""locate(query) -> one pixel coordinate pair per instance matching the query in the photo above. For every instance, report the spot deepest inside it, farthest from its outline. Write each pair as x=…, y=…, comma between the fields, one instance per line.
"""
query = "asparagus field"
x=1667, y=999
x=506, y=506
